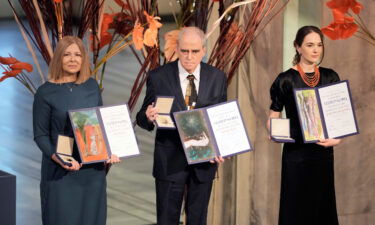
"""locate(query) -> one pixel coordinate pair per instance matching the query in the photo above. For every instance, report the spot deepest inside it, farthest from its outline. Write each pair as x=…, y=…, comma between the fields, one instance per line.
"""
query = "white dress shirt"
x=183, y=77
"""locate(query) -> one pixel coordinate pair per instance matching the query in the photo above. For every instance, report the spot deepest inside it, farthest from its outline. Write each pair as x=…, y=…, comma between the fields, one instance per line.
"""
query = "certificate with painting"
x=102, y=131
x=326, y=112
x=213, y=131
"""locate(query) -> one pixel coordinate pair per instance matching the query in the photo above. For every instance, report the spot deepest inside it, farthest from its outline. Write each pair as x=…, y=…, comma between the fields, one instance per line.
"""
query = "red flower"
x=8, y=60
x=344, y=5
x=342, y=27
x=58, y=1
x=12, y=73
x=13, y=67
x=22, y=66
x=105, y=36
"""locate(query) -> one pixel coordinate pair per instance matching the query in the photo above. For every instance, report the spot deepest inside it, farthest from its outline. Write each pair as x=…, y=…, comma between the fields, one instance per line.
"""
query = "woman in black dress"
x=307, y=177
x=76, y=194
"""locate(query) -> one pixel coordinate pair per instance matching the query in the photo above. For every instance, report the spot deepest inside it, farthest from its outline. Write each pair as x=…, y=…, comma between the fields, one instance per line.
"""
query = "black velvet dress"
x=67, y=198
x=307, y=178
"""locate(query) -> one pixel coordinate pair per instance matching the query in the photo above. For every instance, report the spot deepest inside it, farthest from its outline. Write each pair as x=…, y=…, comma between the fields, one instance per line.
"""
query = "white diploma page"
x=228, y=129
x=337, y=110
x=119, y=130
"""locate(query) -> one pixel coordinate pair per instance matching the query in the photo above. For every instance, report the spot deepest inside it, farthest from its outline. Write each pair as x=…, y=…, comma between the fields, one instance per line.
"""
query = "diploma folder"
x=280, y=130
x=164, y=119
x=326, y=112
x=102, y=131
x=64, y=149
x=217, y=130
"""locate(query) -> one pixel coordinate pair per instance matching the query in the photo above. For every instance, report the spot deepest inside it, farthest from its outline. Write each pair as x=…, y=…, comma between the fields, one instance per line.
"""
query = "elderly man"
x=194, y=84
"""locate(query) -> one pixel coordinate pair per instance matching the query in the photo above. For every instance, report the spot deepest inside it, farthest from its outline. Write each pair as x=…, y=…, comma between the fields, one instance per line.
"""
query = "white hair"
x=192, y=30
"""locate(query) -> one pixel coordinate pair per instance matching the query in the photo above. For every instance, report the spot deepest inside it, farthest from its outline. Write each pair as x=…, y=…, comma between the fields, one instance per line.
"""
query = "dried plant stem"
x=120, y=45
x=31, y=50
x=43, y=28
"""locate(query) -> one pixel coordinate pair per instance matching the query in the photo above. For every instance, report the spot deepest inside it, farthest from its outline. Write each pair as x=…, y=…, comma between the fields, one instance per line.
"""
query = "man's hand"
x=151, y=113
x=329, y=142
x=217, y=160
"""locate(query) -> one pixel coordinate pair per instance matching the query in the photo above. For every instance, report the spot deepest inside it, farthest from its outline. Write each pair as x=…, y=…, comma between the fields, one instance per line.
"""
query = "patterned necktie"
x=191, y=93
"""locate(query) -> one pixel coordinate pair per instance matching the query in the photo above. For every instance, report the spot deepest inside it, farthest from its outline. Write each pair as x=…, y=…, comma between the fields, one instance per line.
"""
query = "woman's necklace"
x=69, y=86
x=310, y=80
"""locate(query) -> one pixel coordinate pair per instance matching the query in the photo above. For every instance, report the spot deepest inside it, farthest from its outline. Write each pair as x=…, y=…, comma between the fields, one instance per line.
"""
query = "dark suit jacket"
x=169, y=158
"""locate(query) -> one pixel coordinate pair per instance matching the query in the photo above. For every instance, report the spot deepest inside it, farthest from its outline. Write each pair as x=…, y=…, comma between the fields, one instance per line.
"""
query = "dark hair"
x=300, y=36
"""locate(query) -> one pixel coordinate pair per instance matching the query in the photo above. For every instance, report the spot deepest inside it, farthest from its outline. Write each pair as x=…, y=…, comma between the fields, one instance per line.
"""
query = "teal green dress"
x=67, y=197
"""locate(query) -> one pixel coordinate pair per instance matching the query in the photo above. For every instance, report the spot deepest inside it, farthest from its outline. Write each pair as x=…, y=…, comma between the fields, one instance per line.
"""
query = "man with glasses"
x=194, y=84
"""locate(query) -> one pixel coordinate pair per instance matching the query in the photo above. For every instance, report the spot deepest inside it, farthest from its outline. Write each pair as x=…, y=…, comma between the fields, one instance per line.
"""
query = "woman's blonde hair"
x=55, y=67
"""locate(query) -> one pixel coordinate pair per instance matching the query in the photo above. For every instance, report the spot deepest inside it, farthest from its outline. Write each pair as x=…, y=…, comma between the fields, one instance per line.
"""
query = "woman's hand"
x=114, y=159
x=329, y=142
x=74, y=167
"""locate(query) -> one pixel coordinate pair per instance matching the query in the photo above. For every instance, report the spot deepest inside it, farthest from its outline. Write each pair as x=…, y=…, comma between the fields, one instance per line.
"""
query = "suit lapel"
x=176, y=86
x=203, y=83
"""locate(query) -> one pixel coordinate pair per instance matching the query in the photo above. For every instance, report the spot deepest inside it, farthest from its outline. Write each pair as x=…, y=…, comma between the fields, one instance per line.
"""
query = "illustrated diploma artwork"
x=213, y=131
x=102, y=131
x=326, y=112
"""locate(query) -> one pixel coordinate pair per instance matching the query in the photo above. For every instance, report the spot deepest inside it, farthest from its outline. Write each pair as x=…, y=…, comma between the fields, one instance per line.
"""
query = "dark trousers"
x=169, y=196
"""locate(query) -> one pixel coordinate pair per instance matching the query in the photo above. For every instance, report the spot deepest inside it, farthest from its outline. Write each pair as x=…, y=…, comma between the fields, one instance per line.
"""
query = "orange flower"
x=341, y=28
x=138, y=35
x=344, y=5
x=58, y=1
x=150, y=37
x=154, y=24
x=8, y=60
x=170, y=46
x=22, y=66
x=151, y=34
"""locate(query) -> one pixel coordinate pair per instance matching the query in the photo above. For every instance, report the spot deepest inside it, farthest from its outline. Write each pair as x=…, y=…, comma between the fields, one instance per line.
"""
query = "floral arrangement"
x=106, y=33
x=345, y=24
x=136, y=26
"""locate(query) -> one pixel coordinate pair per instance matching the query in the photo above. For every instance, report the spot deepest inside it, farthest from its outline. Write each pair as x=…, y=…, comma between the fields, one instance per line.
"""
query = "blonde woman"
x=76, y=194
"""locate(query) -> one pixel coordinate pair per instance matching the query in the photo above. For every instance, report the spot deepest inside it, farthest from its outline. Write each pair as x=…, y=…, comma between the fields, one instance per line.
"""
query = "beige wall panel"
x=353, y=59
x=265, y=64
x=247, y=191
